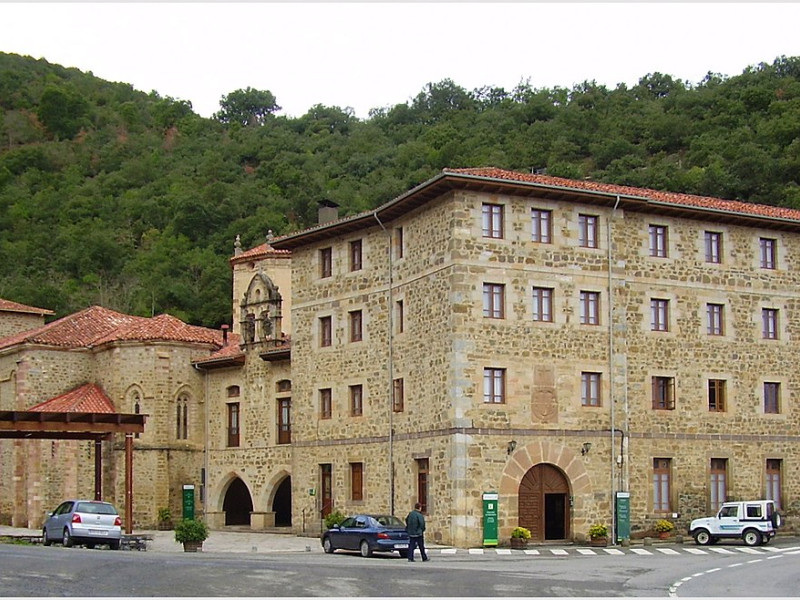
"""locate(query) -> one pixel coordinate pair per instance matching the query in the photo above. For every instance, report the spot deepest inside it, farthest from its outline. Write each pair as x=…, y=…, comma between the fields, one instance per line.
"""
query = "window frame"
x=356, y=400
x=591, y=389
x=718, y=483
x=713, y=247
x=492, y=221
x=662, y=485
x=325, y=331
x=542, y=298
x=589, y=307
x=398, y=395
x=773, y=479
x=325, y=403
x=357, y=481
x=326, y=262
x=659, y=314
x=541, y=226
x=715, y=319
x=494, y=385
x=769, y=323
x=356, y=325
x=717, y=395
x=588, y=227
x=494, y=300
x=663, y=392
x=658, y=241
x=772, y=397
x=284, y=407
x=356, y=255
x=234, y=424
x=423, y=483
x=768, y=253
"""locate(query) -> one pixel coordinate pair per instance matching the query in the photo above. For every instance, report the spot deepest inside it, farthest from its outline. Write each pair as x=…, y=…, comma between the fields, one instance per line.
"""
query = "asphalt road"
x=37, y=571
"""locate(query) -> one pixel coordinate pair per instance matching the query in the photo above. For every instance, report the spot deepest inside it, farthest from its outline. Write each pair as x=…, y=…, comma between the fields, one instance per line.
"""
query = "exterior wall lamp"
x=585, y=448
x=512, y=445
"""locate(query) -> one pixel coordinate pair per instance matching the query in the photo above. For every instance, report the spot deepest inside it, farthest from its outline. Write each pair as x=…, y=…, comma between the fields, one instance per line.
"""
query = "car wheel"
x=114, y=544
x=45, y=540
x=90, y=546
x=776, y=520
x=752, y=537
x=66, y=539
x=327, y=546
x=702, y=537
x=366, y=551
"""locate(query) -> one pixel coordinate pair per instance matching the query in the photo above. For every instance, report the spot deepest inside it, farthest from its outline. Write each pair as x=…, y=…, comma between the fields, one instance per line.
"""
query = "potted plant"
x=520, y=537
x=164, y=519
x=663, y=527
x=191, y=533
x=598, y=534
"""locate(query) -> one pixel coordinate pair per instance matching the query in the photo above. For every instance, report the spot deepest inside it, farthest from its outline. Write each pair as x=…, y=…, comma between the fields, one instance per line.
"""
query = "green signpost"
x=623, y=516
x=188, y=501
x=490, y=500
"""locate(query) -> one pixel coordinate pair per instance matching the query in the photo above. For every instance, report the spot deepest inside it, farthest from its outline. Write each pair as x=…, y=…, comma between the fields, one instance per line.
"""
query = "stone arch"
x=278, y=498
x=234, y=499
x=260, y=310
x=525, y=458
x=184, y=414
x=134, y=401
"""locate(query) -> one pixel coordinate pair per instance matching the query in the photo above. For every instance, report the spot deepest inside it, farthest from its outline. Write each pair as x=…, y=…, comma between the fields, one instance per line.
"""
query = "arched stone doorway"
x=282, y=503
x=544, y=506
x=238, y=503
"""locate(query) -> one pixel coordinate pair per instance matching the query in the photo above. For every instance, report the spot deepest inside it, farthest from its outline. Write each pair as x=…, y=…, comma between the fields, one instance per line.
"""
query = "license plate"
x=401, y=546
x=98, y=532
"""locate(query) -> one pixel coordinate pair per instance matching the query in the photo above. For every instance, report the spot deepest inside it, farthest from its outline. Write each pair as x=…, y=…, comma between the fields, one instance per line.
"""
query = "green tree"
x=247, y=107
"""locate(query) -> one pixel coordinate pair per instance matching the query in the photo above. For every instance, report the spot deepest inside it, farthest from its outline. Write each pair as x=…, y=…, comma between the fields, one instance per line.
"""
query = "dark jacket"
x=415, y=523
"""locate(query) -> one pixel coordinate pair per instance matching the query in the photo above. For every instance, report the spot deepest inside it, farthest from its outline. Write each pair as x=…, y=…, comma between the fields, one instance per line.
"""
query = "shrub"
x=164, y=515
x=334, y=518
x=598, y=530
x=191, y=530
x=521, y=533
x=663, y=526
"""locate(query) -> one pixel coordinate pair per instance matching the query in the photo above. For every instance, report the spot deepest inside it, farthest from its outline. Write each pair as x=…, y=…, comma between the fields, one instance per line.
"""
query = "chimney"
x=328, y=211
x=224, y=335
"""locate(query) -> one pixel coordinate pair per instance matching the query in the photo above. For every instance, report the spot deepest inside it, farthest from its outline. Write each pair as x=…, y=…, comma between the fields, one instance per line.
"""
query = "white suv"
x=754, y=521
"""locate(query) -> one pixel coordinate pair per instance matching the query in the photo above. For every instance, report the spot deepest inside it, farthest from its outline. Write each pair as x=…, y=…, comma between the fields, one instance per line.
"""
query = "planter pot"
x=663, y=535
x=165, y=526
x=519, y=543
x=599, y=542
x=192, y=546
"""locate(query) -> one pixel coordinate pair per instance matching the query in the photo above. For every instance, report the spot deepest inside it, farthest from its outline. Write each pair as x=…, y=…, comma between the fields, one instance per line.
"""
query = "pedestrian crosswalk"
x=618, y=551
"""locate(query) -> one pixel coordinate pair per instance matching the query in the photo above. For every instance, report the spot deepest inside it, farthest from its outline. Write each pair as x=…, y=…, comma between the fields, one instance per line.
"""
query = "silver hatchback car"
x=87, y=522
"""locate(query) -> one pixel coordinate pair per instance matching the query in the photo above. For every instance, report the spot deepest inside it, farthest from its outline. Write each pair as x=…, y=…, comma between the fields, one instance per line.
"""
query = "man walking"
x=415, y=526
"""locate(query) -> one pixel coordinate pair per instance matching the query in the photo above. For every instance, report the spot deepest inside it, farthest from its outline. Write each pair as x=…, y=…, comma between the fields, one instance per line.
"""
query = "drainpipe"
x=391, y=368
x=612, y=387
x=207, y=403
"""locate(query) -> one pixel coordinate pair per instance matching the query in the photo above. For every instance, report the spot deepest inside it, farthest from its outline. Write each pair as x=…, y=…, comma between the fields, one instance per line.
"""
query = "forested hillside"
x=129, y=200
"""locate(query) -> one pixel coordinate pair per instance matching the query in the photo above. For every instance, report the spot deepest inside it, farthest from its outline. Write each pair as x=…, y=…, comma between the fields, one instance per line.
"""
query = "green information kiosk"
x=623, y=516
x=490, y=518
x=188, y=501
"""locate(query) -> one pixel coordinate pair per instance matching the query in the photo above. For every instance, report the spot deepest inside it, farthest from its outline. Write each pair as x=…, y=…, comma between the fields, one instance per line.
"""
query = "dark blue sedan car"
x=367, y=534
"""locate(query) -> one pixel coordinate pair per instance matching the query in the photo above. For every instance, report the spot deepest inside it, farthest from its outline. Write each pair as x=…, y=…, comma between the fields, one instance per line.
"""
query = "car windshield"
x=389, y=521
x=97, y=508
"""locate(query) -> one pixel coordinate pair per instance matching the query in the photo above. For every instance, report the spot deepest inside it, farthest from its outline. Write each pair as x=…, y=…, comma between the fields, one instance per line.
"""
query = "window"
x=137, y=408
x=355, y=255
x=356, y=400
x=233, y=391
x=325, y=331
x=422, y=484
x=356, y=331
x=325, y=262
x=659, y=314
x=357, y=481
x=284, y=385
x=768, y=248
x=715, y=323
x=494, y=386
x=719, y=482
x=772, y=397
x=493, y=300
x=713, y=241
x=589, y=308
x=773, y=481
x=399, y=248
x=540, y=225
x=325, y=403
x=399, y=320
x=397, y=395
x=587, y=231
x=658, y=241
x=284, y=421
x=543, y=304
x=233, y=425
x=716, y=395
x=590, y=389
x=492, y=220
x=182, y=418
x=662, y=484
x=769, y=320
x=663, y=393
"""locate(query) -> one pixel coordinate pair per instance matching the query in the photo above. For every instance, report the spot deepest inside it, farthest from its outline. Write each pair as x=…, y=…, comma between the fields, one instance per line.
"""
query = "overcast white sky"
x=368, y=54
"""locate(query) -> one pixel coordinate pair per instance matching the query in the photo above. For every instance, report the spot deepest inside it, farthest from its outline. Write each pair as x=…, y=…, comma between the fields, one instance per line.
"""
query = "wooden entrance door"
x=544, y=503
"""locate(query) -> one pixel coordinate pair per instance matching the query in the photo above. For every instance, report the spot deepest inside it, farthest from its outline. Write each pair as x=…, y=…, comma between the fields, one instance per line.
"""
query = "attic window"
x=233, y=391
x=284, y=385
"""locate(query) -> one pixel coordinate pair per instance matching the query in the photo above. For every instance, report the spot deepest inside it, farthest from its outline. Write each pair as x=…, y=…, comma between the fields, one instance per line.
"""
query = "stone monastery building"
x=554, y=341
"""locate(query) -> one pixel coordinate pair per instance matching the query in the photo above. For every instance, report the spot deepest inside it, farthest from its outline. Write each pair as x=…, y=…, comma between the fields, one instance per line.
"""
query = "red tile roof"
x=230, y=353
x=644, y=193
x=88, y=398
x=9, y=306
x=262, y=251
x=96, y=325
